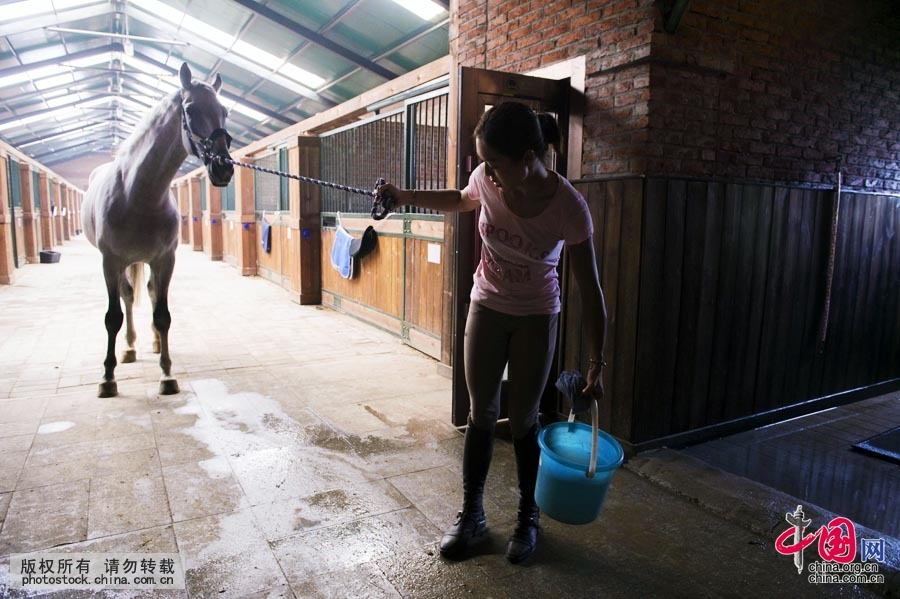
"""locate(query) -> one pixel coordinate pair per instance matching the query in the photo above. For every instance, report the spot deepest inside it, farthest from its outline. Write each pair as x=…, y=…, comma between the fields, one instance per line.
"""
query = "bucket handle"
x=595, y=428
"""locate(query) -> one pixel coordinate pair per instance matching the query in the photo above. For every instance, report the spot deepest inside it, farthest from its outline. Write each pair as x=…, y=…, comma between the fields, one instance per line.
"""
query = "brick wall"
x=764, y=90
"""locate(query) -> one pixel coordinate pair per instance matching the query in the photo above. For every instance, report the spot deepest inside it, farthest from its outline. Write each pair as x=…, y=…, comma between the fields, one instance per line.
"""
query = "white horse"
x=131, y=216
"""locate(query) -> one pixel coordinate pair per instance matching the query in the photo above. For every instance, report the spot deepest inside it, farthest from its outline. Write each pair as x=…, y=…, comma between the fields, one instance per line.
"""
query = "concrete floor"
x=310, y=455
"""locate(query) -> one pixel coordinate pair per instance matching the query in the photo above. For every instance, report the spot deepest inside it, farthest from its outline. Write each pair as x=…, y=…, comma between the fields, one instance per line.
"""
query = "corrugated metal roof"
x=280, y=61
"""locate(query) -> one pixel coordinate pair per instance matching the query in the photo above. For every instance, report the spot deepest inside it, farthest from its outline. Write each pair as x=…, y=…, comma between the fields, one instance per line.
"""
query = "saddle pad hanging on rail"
x=346, y=250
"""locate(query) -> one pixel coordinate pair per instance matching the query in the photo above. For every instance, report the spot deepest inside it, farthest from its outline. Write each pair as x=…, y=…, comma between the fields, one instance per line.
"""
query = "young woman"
x=528, y=213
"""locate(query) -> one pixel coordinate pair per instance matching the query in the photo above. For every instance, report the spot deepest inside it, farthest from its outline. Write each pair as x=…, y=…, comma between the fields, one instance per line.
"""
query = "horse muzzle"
x=220, y=172
x=217, y=158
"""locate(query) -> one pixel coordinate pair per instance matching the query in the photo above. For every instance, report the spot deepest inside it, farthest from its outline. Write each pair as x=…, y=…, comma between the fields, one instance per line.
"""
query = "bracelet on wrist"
x=594, y=361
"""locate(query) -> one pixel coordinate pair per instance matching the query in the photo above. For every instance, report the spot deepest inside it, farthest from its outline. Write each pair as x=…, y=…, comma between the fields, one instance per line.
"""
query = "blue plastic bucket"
x=564, y=490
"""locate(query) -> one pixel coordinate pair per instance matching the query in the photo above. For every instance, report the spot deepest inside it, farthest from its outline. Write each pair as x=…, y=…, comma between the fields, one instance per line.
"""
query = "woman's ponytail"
x=550, y=131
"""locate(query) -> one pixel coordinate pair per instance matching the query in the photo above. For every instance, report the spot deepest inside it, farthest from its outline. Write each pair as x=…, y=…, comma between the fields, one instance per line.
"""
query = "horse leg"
x=112, y=273
x=162, y=275
x=126, y=288
x=152, y=291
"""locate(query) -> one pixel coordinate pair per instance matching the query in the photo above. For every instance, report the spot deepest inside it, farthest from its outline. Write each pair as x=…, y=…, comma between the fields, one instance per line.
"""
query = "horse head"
x=203, y=126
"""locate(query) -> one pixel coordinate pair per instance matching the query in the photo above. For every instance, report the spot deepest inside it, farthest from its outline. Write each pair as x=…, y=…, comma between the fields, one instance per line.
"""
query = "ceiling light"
x=425, y=9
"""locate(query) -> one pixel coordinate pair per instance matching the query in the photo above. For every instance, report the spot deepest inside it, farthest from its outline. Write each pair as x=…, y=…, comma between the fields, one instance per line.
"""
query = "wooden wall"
x=275, y=265
x=716, y=293
x=231, y=231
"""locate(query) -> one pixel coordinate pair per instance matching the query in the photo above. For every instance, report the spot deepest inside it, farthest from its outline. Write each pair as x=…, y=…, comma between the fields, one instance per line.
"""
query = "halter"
x=205, y=144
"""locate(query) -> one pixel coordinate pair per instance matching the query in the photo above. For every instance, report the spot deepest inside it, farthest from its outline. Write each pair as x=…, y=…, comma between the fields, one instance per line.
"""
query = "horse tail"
x=136, y=277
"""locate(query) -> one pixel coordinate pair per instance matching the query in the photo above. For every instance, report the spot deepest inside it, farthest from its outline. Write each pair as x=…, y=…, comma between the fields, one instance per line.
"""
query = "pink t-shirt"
x=517, y=271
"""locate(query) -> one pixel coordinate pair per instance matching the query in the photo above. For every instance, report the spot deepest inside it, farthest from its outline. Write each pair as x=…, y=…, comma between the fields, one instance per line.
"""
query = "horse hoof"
x=168, y=387
x=156, y=347
x=128, y=356
x=108, y=389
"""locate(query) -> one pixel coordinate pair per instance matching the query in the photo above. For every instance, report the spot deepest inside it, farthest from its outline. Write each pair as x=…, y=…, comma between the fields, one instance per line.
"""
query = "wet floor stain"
x=379, y=415
x=54, y=427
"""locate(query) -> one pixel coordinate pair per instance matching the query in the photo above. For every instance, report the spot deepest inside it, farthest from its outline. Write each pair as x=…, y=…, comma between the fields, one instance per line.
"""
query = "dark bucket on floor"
x=49, y=257
x=567, y=490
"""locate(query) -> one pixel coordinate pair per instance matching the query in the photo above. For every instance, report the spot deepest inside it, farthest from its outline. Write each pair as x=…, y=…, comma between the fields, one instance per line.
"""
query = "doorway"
x=479, y=89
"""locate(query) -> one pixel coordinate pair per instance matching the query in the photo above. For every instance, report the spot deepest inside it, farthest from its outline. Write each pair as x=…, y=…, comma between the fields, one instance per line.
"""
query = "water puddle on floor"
x=54, y=427
x=236, y=423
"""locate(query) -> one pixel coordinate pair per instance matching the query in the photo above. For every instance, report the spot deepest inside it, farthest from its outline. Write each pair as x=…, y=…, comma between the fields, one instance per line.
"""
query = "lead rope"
x=382, y=204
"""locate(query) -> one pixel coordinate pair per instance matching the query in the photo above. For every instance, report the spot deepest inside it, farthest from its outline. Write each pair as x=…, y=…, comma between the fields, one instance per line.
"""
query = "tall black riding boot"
x=470, y=525
x=524, y=539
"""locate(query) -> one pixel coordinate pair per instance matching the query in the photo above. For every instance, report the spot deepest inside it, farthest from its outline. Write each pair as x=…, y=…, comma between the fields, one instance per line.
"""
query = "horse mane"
x=134, y=143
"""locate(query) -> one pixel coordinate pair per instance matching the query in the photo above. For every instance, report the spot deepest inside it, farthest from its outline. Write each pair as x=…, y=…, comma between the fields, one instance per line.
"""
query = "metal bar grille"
x=357, y=157
x=267, y=187
x=428, y=135
x=15, y=192
x=408, y=148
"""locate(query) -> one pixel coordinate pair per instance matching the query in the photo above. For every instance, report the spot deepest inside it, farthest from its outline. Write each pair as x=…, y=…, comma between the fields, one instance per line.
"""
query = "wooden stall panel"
x=616, y=212
x=20, y=237
x=271, y=264
x=423, y=290
x=231, y=231
x=732, y=290
x=379, y=280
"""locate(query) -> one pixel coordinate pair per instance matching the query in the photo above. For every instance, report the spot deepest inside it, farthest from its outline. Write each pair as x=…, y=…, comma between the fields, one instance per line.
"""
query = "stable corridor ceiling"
x=77, y=75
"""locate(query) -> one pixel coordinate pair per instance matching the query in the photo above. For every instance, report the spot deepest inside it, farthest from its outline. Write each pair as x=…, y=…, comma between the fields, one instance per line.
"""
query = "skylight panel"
x=90, y=61
x=30, y=8
x=24, y=76
x=301, y=75
x=260, y=57
x=245, y=110
x=424, y=9
x=54, y=81
x=61, y=100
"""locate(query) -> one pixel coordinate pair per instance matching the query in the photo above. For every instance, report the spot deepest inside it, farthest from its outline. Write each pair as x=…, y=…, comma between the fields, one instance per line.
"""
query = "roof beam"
x=72, y=153
x=72, y=104
x=317, y=39
x=57, y=135
x=114, y=47
x=81, y=143
x=43, y=92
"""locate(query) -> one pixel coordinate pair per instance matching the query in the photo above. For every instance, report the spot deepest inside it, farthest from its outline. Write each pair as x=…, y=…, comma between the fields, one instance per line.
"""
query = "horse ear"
x=217, y=82
x=185, y=75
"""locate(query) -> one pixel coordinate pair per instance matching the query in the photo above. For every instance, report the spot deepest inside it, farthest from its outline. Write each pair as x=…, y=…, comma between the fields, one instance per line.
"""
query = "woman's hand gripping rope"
x=384, y=202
